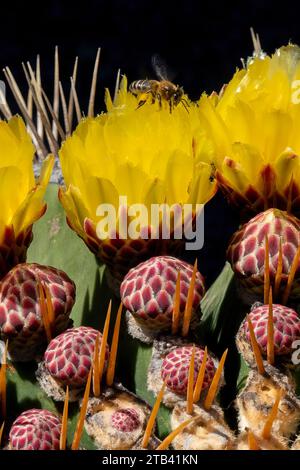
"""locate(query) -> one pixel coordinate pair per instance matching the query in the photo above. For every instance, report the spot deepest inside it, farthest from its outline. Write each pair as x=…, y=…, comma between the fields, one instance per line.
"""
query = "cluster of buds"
x=35, y=304
x=76, y=363
x=186, y=379
x=74, y=366
x=266, y=251
x=117, y=420
x=67, y=362
x=268, y=407
x=276, y=328
x=35, y=430
x=265, y=256
x=162, y=295
x=170, y=364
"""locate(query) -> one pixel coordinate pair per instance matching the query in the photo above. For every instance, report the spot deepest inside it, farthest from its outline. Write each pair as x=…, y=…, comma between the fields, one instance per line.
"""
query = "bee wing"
x=160, y=68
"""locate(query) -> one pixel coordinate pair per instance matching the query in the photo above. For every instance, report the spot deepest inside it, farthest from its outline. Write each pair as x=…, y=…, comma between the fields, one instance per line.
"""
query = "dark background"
x=202, y=42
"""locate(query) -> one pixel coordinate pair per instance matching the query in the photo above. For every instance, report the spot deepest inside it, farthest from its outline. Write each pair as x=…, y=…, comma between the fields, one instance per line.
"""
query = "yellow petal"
x=275, y=137
x=46, y=171
x=235, y=174
x=33, y=205
x=68, y=204
x=16, y=148
x=286, y=166
x=248, y=157
x=229, y=94
x=83, y=211
x=213, y=123
x=99, y=191
x=155, y=192
x=130, y=182
x=31, y=209
x=178, y=176
x=242, y=122
x=203, y=187
x=252, y=87
x=13, y=190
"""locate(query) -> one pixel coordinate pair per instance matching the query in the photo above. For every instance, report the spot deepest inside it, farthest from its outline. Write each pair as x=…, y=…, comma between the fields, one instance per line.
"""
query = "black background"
x=202, y=42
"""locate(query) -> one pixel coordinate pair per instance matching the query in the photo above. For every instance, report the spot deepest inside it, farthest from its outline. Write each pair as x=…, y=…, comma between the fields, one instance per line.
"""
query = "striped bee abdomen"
x=140, y=86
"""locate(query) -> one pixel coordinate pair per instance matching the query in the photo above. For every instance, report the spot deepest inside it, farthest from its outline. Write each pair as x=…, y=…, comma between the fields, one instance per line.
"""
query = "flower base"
x=209, y=432
x=255, y=402
x=117, y=419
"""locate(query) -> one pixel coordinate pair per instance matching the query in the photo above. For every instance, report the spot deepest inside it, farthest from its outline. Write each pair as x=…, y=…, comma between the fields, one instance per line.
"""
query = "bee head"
x=178, y=95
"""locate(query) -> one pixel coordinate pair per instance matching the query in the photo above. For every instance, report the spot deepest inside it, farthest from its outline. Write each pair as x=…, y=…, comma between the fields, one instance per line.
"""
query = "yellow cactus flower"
x=254, y=128
x=148, y=155
x=20, y=195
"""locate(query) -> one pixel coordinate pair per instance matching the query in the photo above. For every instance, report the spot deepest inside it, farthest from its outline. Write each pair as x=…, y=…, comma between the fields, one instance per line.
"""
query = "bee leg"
x=143, y=99
x=185, y=105
x=185, y=102
x=159, y=99
x=170, y=106
x=141, y=103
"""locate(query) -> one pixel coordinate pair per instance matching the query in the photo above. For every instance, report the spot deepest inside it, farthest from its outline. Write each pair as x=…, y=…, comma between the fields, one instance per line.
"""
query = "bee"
x=159, y=90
